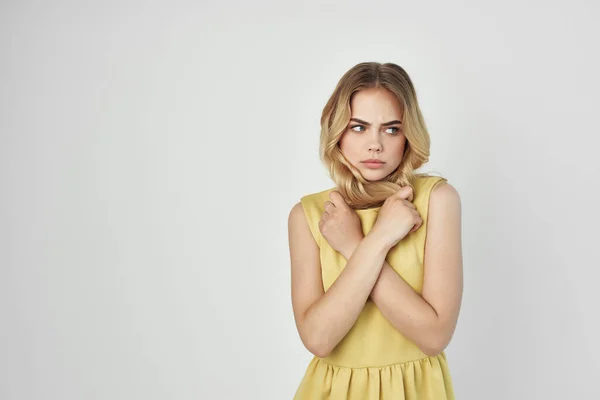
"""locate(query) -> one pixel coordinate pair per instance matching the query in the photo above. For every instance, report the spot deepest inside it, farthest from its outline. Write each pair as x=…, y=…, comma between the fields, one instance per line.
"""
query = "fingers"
x=416, y=227
x=418, y=221
x=416, y=213
x=405, y=202
x=329, y=207
x=337, y=199
x=409, y=204
x=405, y=192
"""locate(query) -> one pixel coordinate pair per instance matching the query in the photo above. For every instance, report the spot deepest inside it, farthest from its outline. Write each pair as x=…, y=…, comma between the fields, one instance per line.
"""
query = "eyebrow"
x=360, y=121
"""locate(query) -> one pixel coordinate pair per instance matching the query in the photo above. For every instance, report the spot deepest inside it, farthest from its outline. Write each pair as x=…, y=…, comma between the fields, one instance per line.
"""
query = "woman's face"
x=374, y=132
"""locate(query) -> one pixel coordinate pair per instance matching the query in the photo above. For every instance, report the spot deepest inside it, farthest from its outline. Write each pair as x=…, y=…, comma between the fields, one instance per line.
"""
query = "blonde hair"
x=357, y=191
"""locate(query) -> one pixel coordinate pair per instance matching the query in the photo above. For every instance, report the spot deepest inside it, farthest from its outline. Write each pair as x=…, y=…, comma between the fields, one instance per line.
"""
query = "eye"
x=393, y=133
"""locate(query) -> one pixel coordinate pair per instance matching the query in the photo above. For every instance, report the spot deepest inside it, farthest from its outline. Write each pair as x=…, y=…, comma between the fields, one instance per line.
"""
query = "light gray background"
x=151, y=153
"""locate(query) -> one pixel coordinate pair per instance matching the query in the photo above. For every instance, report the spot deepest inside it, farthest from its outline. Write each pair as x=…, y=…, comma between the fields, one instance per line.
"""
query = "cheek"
x=345, y=146
x=400, y=147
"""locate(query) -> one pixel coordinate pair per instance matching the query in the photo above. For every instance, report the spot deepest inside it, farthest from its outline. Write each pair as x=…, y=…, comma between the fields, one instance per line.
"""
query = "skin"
x=324, y=318
x=363, y=141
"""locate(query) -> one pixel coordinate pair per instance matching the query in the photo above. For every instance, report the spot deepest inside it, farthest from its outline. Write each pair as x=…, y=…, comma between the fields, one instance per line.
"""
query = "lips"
x=373, y=164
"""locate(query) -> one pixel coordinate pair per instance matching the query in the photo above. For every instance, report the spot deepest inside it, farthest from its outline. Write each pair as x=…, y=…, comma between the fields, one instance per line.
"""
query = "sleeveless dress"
x=374, y=360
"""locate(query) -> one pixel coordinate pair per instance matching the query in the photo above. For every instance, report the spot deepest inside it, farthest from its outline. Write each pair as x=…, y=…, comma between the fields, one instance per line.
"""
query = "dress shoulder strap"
x=314, y=205
x=423, y=186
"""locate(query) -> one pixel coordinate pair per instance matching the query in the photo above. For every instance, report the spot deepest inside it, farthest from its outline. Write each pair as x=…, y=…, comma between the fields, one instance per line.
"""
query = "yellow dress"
x=374, y=360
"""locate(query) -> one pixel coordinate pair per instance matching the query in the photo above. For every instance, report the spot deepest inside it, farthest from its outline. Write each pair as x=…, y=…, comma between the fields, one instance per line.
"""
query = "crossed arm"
x=429, y=319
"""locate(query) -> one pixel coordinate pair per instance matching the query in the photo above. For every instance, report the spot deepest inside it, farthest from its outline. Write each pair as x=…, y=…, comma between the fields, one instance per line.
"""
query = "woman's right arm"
x=324, y=318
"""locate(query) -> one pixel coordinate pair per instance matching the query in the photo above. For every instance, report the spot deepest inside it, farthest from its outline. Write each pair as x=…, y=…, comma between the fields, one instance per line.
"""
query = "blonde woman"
x=376, y=261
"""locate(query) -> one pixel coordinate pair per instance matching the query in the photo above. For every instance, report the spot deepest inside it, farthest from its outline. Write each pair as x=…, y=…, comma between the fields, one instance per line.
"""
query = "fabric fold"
x=424, y=379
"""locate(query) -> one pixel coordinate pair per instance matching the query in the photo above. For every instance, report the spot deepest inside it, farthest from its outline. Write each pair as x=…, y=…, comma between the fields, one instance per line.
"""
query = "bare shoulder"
x=444, y=195
x=297, y=218
x=296, y=210
x=300, y=235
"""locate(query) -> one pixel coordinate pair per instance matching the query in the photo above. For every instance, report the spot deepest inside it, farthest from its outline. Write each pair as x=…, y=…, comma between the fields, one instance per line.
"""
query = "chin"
x=374, y=176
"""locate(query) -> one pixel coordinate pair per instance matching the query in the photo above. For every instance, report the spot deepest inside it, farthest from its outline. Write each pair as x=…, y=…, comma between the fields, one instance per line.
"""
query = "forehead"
x=375, y=104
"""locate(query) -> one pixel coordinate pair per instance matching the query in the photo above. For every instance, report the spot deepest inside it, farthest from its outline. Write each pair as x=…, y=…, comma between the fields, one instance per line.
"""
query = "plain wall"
x=150, y=154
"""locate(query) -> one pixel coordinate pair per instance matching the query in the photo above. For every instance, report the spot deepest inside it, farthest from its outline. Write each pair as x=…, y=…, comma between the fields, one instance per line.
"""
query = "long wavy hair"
x=356, y=190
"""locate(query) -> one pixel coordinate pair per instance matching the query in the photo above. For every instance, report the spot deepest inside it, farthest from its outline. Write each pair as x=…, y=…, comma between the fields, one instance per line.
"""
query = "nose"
x=375, y=146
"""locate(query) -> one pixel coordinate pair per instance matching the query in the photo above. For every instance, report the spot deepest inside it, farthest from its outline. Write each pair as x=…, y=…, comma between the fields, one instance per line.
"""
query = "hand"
x=340, y=225
x=397, y=217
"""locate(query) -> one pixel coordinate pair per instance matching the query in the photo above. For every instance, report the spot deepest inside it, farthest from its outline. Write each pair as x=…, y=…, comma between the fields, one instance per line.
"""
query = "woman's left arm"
x=429, y=320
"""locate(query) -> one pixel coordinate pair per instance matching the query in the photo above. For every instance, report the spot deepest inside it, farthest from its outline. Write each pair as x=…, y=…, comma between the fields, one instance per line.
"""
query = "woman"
x=376, y=261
